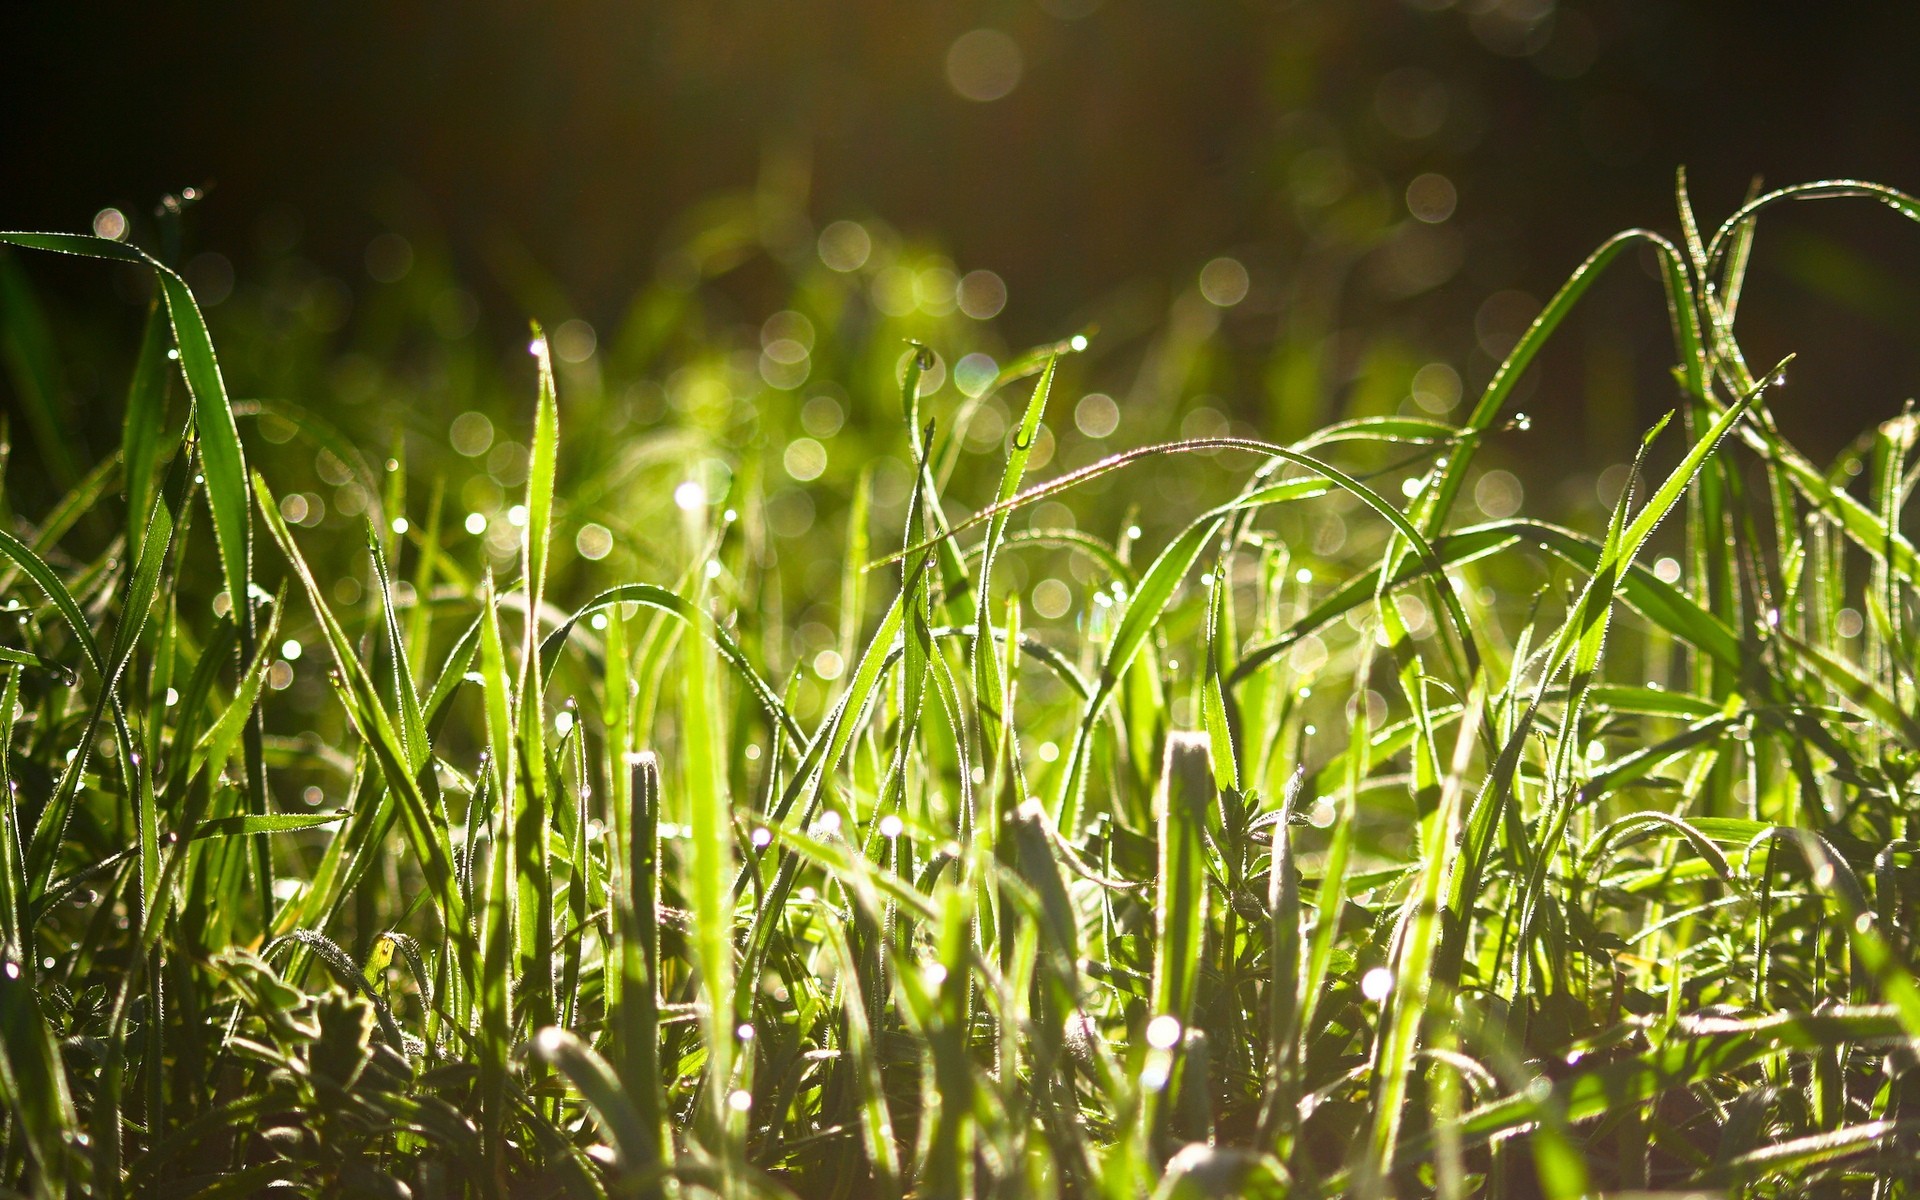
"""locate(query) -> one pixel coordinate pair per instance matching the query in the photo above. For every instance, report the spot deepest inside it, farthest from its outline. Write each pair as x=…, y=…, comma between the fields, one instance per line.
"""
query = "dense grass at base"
x=592, y=824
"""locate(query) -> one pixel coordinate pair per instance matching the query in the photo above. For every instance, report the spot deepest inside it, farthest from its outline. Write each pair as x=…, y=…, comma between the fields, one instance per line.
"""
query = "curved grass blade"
x=594, y=1080
x=649, y=595
x=425, y=825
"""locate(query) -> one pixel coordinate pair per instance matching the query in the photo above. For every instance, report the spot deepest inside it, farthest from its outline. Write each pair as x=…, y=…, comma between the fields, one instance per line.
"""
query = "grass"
x=635, y=836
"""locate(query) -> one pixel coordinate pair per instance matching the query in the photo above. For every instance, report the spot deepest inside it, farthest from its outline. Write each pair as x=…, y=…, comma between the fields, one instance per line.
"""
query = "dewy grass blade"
x=637, y=1017
x=652, y=596
x=594, y=1080
x=500, y=959
x=1588, y=818
x=533, y=817
x=1213, y=701
x=1144, y=609
x=709, y=891
x=876, y=1121
x=426, y=831
x=14, y=927
x=986, y=684
x=35, y=1082
x=144, y=424
x=413, y=726
x=1413, y=986
x=1186, y=792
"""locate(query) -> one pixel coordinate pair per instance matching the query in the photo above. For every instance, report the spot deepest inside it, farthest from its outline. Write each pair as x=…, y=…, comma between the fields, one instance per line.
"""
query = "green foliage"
x=1447, y=855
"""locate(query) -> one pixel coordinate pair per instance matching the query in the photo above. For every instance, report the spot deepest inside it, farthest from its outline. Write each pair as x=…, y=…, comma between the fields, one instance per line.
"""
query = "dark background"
x=571, y=141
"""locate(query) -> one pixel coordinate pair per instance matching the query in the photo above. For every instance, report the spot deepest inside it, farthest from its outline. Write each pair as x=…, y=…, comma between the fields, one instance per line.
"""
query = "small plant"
x=1461, y=857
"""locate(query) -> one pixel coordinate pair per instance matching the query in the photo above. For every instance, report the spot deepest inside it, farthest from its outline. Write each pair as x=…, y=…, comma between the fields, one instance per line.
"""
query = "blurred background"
x=1270, y=215
x=1424, y=167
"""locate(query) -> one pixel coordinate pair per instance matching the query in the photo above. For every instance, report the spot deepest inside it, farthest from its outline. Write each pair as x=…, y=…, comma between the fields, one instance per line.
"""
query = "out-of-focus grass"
x=807, y=753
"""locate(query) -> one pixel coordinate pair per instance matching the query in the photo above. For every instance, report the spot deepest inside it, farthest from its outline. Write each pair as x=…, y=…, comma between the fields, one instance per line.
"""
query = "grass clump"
x=393, y=853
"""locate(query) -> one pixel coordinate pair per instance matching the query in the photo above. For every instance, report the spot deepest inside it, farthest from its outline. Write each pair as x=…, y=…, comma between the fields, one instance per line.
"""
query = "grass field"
x=681, y=765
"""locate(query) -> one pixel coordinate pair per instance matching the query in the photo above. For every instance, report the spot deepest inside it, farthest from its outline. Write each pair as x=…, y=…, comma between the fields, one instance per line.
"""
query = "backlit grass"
x=658, y=784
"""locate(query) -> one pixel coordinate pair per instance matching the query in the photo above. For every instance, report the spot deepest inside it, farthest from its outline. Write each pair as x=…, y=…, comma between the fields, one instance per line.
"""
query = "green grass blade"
x=144, y=424
x=1414, y=988
x=595, y=1081
x=1180, y=912
x=709, y=890
x=426, y=829
x=35, y=1083
x=986, y=684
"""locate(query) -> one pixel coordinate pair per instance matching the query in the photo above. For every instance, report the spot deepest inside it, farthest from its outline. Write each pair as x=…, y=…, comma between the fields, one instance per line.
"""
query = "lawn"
x=838, y=754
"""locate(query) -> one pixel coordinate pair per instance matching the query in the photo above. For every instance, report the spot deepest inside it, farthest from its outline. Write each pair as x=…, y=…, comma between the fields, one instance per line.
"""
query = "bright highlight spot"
x=1377, y=984
x=1163, y=1032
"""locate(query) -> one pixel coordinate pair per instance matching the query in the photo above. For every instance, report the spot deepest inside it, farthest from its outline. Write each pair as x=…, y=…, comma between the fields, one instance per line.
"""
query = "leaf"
x=249, y=824
x=987, y=686
x=594, y=1080
x=1143, y=612
x=35, y=1082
